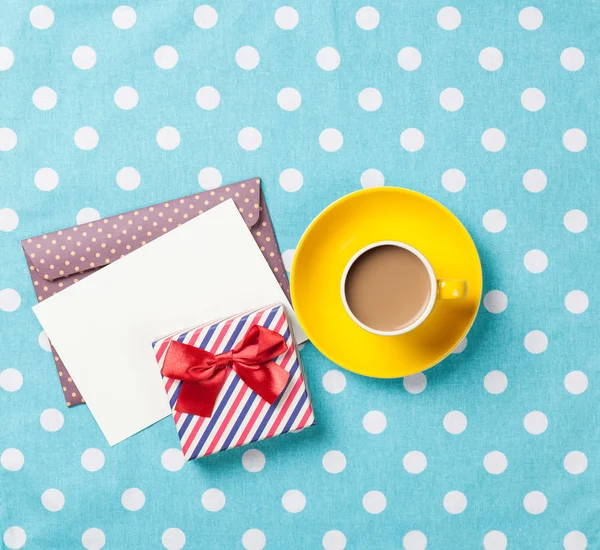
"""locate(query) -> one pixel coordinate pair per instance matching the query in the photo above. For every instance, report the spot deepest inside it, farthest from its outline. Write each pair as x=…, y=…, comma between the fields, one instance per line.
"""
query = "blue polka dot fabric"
x=489, y=107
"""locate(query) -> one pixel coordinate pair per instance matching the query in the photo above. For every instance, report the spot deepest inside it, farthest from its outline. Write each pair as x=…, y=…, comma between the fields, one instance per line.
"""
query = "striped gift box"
x=240, y=416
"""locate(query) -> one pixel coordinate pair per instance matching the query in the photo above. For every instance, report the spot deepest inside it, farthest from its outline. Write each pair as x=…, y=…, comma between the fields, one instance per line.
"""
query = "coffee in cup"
x=389, y=288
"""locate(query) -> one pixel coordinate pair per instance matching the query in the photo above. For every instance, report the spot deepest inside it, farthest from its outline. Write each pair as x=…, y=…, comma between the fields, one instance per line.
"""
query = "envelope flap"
x=245, y=194
x=93, y=245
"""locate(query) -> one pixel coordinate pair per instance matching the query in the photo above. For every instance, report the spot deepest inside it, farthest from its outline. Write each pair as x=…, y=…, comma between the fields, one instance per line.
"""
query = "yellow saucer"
x=348, y=225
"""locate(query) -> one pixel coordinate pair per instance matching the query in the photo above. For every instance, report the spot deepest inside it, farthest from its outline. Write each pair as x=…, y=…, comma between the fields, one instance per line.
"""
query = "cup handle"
x=451, y=289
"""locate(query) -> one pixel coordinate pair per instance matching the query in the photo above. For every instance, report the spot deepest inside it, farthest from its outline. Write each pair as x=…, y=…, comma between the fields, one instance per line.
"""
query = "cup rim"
x=432, y=279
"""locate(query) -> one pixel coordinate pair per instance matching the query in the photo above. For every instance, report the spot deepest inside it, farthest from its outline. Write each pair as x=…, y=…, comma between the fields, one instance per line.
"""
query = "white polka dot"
x=53, y=500
x=92, y=459
x=291, y=180
x=253, y=460
x=8, y=139
x=166, y=57
x=9, y=219
x=409, y=58
x=10, y=379
x=495, y=462
x=334, y=540
x=575, y=540
x=334, y=462
x=168, y=138
x=495, y=382
x=535, y=261
x=84, y=57
x=415, y=383
x=367, y=18
x=370, y=99
x=535, y=502
x=374, y=422
x=412, y=139
x=41, y=17
x=414, y=540
x=288, y=258
x=93, y=539
x=12, y=460
x=10, y=300
x=576, y=301
x=173, y=539
x=576, y=382
x=247, y=58
x=331, y=140
x=172, y=460
x=126, y=98
x=205, y=16
x=575, y=221
x=44, y=98
x=128, y=178
x=451, y=99
x=133, y=499
x=334, y=381
x=455, y=422
x=414, y=462
x=254, y=539
x=7, y=58
x=374, y=502
x=52, y=420
x=574, y=140
x=491, y=59
x=87, y=215
x=250, y=139
x=536, y=342
x=575, y=462
x=535, y=422
x=453, y=180
x=495, y=540
x=86, y=138
x=209, y=178
x=493, y=140
x=289, y=99
x=455, y=502
x=208, y=98
x=449, y=18
x=15, y=537
x=495, y=301
x=533, y=99
x=530, y=18
x=44, y=342
x=371, y=178
x=124, y=17
x=328, y=58
x=286, y=18
x=572, y=59
x=535, y=180
x=462, y=346
x=213, y=500
x=293, y=501
x=46, y=179
x=494, y=220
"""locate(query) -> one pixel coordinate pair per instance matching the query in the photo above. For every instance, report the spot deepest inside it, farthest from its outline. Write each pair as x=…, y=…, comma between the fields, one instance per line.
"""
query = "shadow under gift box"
x=59, y=259
x=240, y=416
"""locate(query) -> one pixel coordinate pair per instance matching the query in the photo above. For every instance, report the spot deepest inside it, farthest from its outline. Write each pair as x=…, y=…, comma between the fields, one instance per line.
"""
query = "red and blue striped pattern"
x=240, y=416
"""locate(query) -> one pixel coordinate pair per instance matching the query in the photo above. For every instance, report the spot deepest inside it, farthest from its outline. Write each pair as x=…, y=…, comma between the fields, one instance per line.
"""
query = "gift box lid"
x=240, y=416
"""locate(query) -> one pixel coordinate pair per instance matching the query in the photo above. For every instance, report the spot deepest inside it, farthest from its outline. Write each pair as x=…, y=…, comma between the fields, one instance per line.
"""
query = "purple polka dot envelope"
x=59, y=259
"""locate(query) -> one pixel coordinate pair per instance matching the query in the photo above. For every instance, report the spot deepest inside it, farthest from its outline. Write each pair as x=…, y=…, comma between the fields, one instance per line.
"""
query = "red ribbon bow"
x=203, y=373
